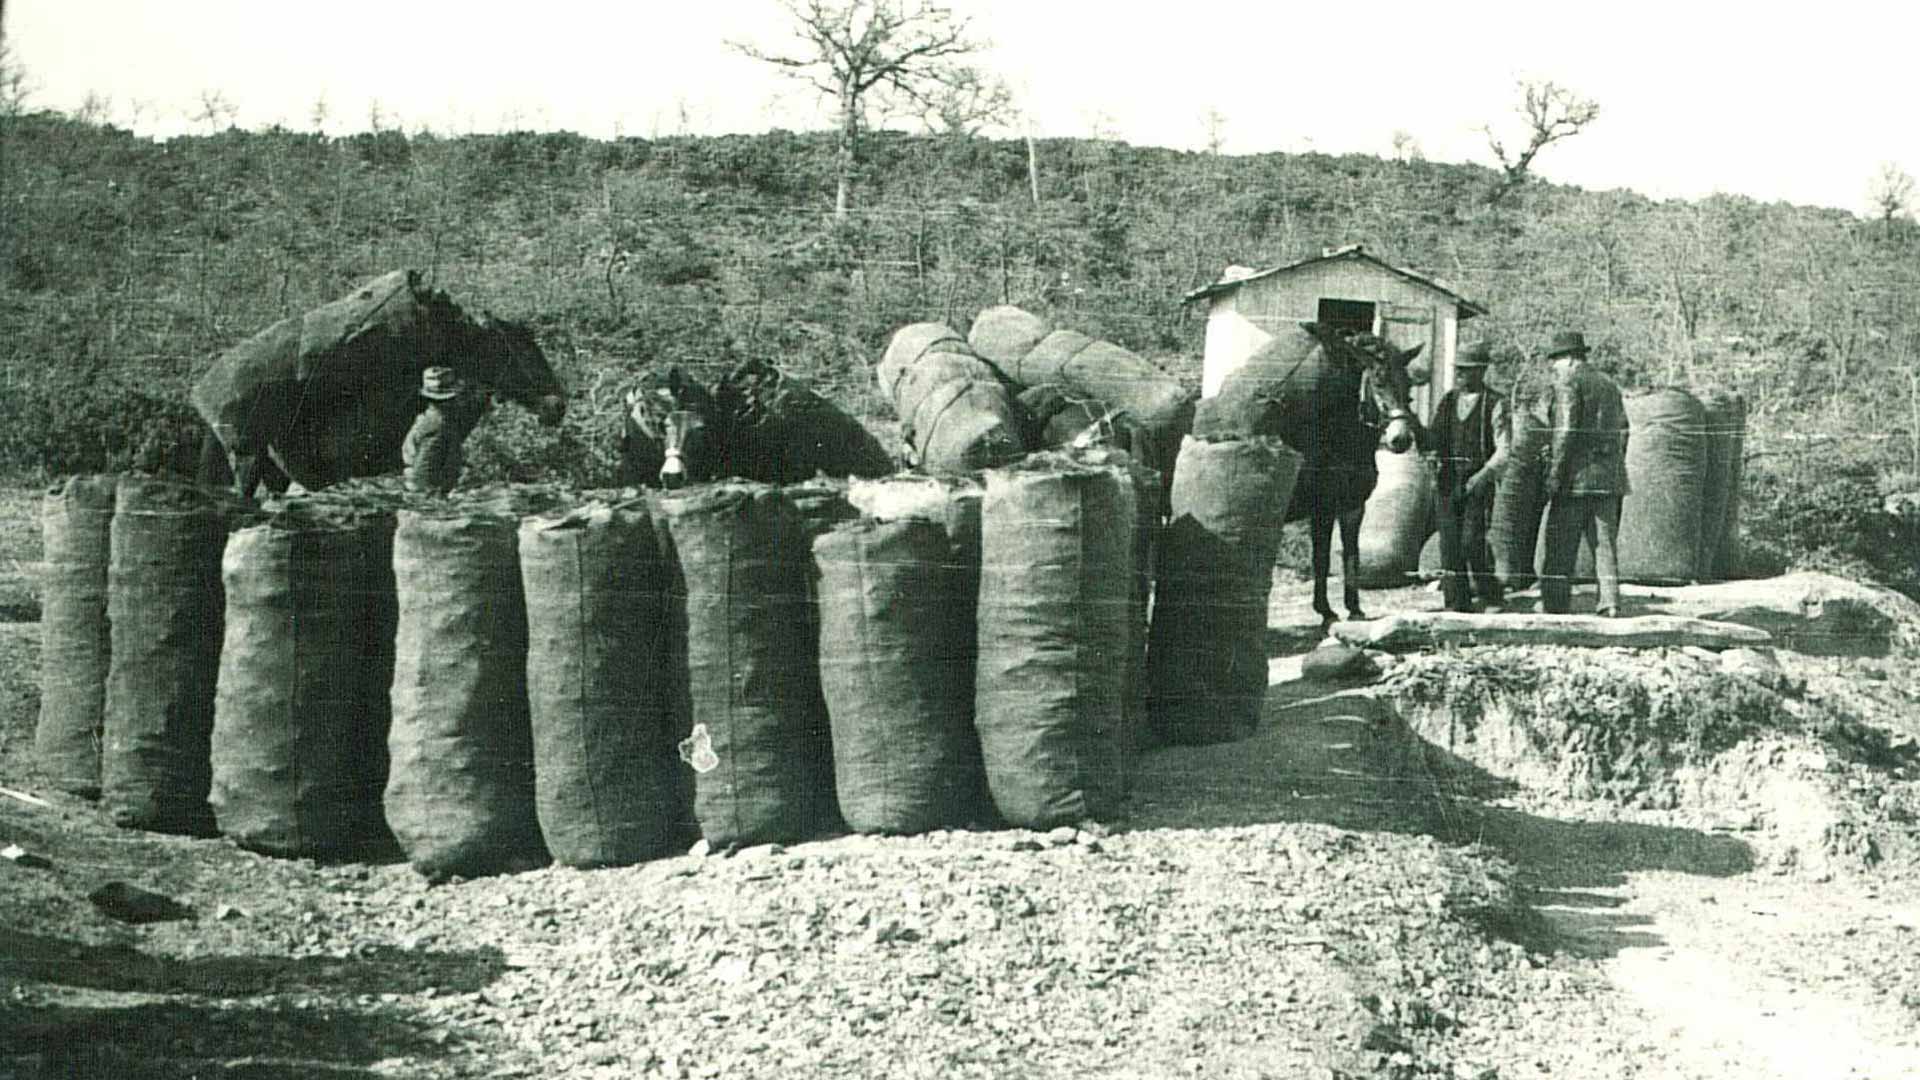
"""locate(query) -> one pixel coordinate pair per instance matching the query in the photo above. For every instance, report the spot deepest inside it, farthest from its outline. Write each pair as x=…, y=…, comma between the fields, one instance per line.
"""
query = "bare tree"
x=971, y=102
x=15, y=88
x=868, y=53
x=215, y=111
x=1891, y=192
x=317, y=114
x=1553, y=112
x=1215, y=122
x=1406, y=147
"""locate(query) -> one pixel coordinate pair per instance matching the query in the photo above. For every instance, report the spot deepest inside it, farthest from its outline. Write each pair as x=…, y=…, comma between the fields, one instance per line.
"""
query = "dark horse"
x=669, y=436
x=756, y=423
x=1334, y=396
x=322, y=397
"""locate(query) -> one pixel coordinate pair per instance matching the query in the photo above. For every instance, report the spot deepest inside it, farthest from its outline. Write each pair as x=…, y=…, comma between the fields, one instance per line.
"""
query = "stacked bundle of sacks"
x=1014, y=385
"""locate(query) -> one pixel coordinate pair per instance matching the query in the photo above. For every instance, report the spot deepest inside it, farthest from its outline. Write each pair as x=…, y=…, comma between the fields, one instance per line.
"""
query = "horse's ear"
x=1407, y=356
x=676, y=380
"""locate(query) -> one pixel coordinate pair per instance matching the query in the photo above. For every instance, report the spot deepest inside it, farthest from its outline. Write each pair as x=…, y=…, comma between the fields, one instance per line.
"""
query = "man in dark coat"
x=1586, y=476
x=433, y=448
x=1470, y=432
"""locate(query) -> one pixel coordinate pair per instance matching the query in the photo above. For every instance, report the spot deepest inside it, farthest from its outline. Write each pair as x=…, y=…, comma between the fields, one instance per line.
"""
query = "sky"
x=1803, y=105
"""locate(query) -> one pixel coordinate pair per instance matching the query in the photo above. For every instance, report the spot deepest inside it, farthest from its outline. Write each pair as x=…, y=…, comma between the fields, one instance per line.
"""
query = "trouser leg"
x=1473, y=537
x=1454, y=556
x=1603, y=532
x=1566, y=518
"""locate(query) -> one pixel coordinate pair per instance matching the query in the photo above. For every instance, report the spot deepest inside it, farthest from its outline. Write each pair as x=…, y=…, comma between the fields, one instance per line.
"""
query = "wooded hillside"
x=128, y=263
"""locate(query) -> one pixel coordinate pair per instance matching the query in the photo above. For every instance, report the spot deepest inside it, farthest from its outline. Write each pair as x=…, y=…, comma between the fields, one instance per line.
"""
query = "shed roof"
x=1238, y=276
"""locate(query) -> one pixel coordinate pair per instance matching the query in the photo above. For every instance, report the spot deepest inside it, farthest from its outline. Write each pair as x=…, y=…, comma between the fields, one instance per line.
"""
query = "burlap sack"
x=1207, y=660
x=460, y=787
x=1519, y=501
x=954, y=410
x=895, y=626
x=1726, y=437
x=759, y=742
x=164, y=606
x=1663, y=514
x=301, y=714
x=75, y=639
x=1049, y=691
x=1399, y=517
x=604, y=737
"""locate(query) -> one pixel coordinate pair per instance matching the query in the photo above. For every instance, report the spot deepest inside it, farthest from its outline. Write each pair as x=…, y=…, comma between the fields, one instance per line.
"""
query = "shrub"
x=59, y=426
x=1826, y=515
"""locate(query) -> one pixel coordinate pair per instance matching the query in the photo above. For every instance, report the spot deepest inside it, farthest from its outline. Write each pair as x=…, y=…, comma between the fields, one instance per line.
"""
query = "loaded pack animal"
x=329, y=395
x=1334, y=396
x=756, y=423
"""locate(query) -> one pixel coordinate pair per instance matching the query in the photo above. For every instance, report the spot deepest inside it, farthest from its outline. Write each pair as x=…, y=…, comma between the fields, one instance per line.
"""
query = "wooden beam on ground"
x=1424, y=629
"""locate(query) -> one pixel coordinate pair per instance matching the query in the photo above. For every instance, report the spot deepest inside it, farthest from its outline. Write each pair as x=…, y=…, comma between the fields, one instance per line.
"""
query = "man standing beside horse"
x=1586, y=477
x=1471, y=429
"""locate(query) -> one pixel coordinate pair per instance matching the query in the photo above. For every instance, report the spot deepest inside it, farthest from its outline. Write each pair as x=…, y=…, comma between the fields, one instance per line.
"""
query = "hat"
x=1477, y=355
x=1566, y=343
x=440, y=383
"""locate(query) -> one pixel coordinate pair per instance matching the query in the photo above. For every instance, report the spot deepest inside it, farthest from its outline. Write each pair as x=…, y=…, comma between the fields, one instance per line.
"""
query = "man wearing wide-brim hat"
x=1470, y=433
x=1586, y=477
x=433, y=450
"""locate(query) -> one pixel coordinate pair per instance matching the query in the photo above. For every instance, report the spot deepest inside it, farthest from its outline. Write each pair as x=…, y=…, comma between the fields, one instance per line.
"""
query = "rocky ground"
x=1333, y=897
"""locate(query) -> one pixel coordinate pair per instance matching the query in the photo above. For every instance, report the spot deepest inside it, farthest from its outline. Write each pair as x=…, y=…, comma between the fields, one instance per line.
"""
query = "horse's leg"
x=1350, y=560
x=215, y=469
x=1321, y=526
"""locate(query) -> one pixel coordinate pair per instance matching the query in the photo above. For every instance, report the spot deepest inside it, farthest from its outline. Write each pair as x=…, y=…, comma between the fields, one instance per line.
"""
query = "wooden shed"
x=1343, y=286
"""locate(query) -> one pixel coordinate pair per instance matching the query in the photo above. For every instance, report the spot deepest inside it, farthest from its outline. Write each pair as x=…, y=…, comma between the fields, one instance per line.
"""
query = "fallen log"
x=1423, y=629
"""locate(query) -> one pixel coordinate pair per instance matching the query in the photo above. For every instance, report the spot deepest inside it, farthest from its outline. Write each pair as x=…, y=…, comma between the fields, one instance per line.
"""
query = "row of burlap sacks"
x=1679, y=521
x=594, y=685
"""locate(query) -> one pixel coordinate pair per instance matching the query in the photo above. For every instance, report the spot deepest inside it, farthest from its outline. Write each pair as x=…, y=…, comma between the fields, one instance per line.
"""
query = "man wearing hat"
x=432, y=451
x=1586, y=476
x=1470, y=433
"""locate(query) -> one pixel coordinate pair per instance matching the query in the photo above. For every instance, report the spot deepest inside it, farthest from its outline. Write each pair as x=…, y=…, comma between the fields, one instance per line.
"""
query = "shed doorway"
x=1355, y=315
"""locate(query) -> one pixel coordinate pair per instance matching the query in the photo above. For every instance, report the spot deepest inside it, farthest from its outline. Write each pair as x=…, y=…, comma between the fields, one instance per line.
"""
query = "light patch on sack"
x=697, y=750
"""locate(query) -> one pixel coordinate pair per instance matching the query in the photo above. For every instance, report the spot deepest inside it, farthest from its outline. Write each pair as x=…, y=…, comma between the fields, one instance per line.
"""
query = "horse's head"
x=514, y=367
x=667, y=430
x=1385, y=386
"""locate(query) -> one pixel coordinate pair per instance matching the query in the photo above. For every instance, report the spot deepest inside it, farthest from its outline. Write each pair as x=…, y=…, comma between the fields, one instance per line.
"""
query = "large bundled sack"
x=459, y=795
x=300, y=721
x=1207, y=660
x=1726, y=434
x=1056, y=559
x=75, y=640
x=164, y=606
x=895, y=627
x=759, y=742
x=605, y=786
x=954, y=410
x=1022, y=346
x=1519, y=501
x=1399, y=517
x=780, y=431
x=1662, y=515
